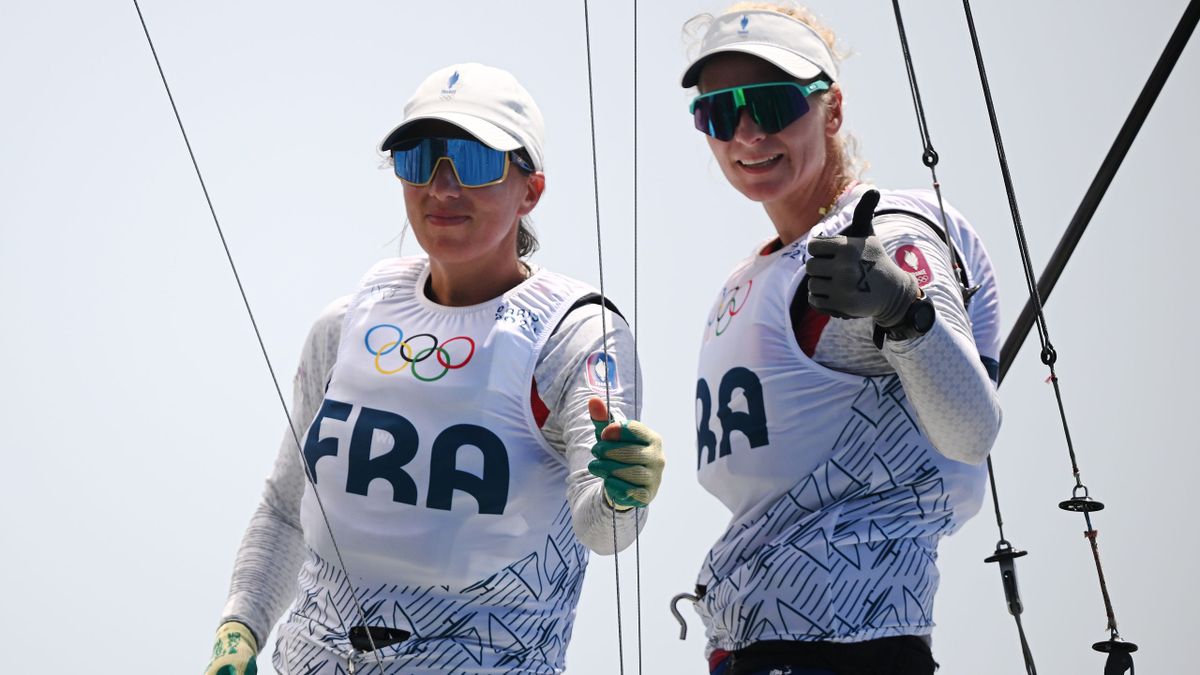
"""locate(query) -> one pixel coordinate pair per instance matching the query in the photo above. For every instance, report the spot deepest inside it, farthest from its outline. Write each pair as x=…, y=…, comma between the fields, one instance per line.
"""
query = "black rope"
x=995, y=498
x=929, y=156
x=254, y=323
x=1104, y=178
x=587, y=32
x=1004, y=553
x=1080, y=500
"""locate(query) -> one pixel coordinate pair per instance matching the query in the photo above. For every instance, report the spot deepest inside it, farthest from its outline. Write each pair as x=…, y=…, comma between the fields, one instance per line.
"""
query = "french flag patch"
x=911, y=260
x=601, y=368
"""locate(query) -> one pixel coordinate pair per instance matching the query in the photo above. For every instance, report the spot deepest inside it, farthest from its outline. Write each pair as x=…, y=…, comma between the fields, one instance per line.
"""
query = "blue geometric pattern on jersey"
x=516, y=621
x=849, y=551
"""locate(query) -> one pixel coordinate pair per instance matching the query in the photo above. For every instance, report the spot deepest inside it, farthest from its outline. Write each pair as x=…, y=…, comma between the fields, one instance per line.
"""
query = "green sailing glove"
x=851, y=275
x=233, y=652
x=629, y=457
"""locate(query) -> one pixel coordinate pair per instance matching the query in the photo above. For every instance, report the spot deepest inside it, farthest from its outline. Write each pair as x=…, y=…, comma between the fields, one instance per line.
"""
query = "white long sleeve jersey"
x=571, y=367
x=842, y=464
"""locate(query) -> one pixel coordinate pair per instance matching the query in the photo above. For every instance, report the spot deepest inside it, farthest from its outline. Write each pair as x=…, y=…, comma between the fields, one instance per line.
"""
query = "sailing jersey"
x=450, y=508
x=838, y=495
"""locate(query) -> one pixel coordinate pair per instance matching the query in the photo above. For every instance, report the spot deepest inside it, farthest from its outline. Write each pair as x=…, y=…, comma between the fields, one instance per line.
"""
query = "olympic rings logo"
x=410, y=355
x=729, y=306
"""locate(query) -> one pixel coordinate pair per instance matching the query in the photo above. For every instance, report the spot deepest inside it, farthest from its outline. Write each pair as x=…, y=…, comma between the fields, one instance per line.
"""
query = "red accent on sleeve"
x=537, y=405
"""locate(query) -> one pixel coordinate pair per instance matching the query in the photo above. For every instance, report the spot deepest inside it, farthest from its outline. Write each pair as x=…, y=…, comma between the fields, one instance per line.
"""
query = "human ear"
x=534, y=187
x=833, y=111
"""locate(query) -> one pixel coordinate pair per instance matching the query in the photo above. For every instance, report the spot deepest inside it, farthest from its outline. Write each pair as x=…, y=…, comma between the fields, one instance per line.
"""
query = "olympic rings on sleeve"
x=412, y=355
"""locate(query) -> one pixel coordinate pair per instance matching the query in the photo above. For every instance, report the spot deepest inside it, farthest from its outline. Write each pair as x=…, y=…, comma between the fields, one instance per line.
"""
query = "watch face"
x=922, y=315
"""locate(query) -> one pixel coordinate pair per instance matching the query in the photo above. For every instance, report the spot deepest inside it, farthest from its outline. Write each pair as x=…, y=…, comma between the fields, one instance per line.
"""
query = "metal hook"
x=679, y=617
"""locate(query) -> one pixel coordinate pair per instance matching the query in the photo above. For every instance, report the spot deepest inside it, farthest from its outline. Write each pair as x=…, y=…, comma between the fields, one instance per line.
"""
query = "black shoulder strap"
x=589, y=299
x=594, y=299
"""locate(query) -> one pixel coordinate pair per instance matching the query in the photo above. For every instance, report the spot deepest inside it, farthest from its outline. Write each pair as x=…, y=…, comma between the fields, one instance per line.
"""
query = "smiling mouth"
x=760, y=164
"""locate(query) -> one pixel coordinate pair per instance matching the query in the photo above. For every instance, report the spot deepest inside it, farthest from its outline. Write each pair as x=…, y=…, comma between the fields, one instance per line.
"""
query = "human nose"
x=444, y=182
x=747, y=131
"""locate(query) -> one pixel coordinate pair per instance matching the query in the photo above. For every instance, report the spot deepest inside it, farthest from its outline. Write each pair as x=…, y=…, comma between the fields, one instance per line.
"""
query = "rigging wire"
x=587, y=32
x=258, y=335
x=1104, y=177
x=1005, y=554
x=1080, y=501
x=636, y=328
x=1087, y=208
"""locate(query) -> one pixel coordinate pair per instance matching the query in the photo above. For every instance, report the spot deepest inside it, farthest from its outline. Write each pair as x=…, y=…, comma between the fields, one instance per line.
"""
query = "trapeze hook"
x=679, y=617
x=1006, y=555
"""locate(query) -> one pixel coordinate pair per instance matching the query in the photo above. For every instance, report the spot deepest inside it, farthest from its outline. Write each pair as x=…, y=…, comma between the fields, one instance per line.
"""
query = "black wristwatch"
x=917, y=321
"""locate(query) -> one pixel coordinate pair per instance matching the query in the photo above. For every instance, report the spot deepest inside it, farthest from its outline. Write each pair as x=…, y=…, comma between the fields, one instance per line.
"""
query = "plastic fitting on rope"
x=1049, y=356
x=1081, y=501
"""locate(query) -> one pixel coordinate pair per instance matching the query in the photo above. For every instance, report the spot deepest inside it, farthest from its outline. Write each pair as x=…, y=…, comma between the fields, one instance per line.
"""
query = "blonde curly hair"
x=845, y=147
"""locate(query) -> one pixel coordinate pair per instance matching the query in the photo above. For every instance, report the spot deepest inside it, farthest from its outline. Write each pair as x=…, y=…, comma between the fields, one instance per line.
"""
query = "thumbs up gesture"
x=850, y=275
x=629, y=457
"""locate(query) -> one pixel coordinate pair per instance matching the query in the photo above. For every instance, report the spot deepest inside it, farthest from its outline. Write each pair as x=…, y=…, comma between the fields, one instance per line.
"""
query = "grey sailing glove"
x=850, y=275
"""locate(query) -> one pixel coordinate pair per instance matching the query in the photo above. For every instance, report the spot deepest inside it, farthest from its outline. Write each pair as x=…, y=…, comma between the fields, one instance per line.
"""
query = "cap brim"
x=795, y=65
x=490, y=134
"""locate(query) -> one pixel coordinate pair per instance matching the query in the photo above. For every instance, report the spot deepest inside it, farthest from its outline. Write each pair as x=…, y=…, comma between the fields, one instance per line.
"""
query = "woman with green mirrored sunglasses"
x=843, y=404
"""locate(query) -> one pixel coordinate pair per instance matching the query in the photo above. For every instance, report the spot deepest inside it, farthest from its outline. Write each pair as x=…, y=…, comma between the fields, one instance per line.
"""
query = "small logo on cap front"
x=449, y=90
x=745, y=22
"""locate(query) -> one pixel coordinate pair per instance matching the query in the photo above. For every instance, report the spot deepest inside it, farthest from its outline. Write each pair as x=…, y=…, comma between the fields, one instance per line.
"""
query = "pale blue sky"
x=139, y=419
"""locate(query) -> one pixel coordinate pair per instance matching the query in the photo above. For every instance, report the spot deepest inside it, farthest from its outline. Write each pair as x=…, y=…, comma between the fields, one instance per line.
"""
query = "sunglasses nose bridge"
x=743, y=111
x=444, y=176
x=747, y=128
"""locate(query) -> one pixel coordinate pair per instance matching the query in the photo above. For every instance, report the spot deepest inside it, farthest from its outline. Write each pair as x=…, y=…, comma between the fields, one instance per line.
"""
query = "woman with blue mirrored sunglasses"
x=457, y=408
x=844, y=449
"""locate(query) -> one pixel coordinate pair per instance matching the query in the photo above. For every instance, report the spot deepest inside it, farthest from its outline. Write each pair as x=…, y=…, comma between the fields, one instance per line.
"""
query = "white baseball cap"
x=486, y=102
x=777, y=38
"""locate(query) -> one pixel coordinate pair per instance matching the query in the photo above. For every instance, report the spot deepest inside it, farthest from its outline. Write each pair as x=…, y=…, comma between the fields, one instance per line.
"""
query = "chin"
x=759, y=188
x=760, y=191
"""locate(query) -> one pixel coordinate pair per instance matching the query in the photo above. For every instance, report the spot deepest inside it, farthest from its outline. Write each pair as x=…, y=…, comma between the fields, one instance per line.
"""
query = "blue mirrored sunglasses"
x=474, y=164
x=772, y=106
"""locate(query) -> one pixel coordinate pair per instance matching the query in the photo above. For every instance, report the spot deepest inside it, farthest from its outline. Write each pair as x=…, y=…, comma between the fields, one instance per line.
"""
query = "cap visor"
x=790, y=62
x=490, y=134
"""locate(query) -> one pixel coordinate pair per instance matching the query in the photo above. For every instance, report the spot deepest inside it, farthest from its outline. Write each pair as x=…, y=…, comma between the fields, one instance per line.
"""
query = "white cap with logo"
x=486, y=102
x=777, y=38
